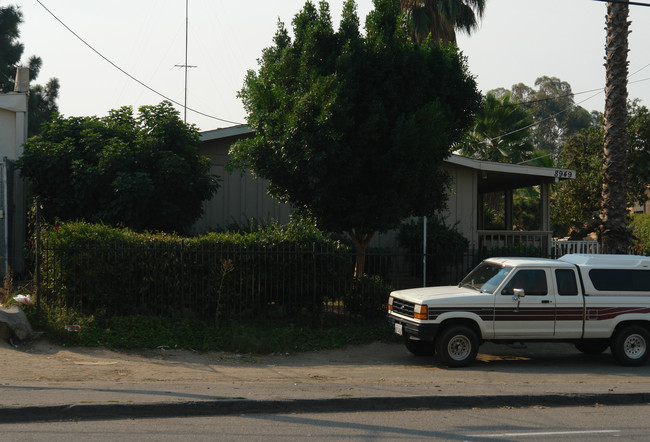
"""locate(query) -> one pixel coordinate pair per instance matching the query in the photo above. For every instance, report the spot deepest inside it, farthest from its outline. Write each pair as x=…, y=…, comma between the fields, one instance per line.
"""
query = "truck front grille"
x=403, y=307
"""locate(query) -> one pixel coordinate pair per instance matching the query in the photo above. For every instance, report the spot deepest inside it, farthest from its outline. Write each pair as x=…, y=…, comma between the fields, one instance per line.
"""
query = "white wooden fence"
x=561, y=247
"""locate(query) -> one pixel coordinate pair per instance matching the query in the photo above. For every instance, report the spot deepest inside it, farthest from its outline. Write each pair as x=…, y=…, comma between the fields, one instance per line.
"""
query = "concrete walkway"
x=52, y=383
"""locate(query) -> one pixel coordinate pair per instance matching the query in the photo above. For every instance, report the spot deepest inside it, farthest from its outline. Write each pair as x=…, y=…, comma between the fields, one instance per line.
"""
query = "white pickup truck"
x=593, y=301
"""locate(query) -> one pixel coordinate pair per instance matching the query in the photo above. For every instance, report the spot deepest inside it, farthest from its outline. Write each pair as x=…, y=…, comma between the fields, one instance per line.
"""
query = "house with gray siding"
x=242, y=197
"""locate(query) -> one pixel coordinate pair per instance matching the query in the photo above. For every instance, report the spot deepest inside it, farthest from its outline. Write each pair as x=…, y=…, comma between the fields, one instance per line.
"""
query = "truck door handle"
x=546, y=301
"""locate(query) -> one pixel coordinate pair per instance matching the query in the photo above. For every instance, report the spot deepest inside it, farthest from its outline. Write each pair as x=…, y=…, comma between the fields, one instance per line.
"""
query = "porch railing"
x=513, y=240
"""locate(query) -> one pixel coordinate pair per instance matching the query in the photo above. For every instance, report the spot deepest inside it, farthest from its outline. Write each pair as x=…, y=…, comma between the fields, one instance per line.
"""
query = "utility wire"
x=129, y=75
x=237, y=123
x=556, y=97
x=625, y=2
x=548, y=118
x=599, y=91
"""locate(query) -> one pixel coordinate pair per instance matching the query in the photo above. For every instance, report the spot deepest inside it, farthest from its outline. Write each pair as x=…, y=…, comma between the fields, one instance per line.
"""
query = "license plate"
x=398, y=329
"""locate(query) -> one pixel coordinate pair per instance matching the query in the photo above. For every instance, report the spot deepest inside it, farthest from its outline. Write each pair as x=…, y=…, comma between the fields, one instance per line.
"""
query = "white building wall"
x=13, y=124
x=13, y=134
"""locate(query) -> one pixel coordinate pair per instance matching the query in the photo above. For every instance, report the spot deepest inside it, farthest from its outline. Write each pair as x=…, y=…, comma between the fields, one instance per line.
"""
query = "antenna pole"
x=186, y=66
x=186, y=38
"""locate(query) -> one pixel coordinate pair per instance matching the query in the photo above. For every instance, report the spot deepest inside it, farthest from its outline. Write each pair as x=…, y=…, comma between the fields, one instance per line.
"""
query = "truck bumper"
x=409, y=329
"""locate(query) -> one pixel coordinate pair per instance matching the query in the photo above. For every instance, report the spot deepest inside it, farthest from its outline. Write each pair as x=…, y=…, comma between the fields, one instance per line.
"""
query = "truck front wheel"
x=630, y=346
x=457, y=346
x=420, y=348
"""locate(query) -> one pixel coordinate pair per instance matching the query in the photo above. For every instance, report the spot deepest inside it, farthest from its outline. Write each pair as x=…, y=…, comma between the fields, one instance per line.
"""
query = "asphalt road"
x=505, y=424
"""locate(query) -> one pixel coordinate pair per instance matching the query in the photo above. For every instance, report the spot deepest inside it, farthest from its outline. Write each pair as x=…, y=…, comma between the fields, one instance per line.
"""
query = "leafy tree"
x=501, y=132
x=526, y=212
x=614, y=234
x=441, y=18
x=10, y=48
x=554, y=110
x=352, y=129
x=577, y=202
x=142, y=172
x=42, y=99
x=640, y=225
x=638, y=141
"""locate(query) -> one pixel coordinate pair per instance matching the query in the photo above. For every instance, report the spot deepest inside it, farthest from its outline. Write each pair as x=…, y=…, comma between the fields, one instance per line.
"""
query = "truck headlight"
x=390, y=303
x=420, y=311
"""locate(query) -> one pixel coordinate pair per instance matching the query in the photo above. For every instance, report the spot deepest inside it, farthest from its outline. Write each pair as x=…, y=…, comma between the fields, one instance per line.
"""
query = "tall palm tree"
x=614, y=235
x=441, y=18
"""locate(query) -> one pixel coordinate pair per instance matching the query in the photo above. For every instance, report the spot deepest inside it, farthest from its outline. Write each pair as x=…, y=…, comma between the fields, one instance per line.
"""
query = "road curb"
x=244, y=406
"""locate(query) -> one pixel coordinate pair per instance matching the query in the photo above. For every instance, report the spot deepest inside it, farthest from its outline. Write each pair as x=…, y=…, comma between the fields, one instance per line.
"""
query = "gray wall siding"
x=461, y=203
x=239, y=198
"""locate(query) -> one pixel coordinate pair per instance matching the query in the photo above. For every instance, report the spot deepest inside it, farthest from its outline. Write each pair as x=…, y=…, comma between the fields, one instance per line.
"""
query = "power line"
x=557, y=97
x=600, y=91
x=573, y=94
x=546, y=119
x=624, y=1
x=129, y=75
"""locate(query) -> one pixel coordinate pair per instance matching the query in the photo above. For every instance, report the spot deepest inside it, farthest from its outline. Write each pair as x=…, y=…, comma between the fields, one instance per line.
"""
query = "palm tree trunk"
x=614, y=235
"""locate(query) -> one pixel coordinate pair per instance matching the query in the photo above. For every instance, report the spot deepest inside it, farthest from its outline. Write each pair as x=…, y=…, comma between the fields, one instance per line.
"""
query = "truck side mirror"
x=518, y=294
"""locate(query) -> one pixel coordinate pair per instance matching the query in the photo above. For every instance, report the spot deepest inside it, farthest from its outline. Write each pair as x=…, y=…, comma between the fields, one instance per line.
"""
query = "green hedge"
x=277, y=271
x=640, y=225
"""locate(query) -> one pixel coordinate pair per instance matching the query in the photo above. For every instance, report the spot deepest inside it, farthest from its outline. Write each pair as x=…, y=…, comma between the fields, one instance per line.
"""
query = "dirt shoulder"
x=378, y=368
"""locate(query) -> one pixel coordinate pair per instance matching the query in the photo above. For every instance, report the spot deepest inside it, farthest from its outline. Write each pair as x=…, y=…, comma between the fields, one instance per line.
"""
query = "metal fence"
x=284, y=282
x=235, y=282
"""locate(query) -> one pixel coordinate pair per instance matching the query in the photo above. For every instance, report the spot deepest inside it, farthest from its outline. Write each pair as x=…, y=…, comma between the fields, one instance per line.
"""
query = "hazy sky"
x=518, y=41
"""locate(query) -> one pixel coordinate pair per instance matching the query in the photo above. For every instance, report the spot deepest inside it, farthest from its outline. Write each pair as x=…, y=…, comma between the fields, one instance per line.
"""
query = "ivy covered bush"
x=272, y=272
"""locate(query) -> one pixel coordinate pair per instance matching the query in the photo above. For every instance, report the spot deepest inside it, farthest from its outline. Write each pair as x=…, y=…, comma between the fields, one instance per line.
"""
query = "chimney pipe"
x=22, y=80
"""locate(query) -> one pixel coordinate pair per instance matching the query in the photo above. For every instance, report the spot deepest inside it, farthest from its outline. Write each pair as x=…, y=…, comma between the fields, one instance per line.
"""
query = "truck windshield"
x=486, y=277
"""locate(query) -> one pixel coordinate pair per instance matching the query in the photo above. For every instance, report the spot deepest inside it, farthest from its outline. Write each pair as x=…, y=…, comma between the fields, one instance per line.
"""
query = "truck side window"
x=566, y=282
x=532, y=281
x=620, y=280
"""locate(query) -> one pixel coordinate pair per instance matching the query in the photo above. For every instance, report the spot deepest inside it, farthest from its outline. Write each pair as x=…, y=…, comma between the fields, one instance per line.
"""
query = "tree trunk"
x=614, y=235
x=361, y=242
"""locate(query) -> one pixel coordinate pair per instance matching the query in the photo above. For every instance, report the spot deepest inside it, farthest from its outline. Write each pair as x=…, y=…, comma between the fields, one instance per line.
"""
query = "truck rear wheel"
x=420, y=348
x=630, y=346
x=457, y=346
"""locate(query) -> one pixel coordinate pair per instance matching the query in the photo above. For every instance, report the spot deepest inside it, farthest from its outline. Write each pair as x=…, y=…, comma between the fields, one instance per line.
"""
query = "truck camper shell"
x=612, y=275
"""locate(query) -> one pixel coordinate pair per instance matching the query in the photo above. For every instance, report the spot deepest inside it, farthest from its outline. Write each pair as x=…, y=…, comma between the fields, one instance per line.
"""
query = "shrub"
x=272, y=271
x=640, y=225
x=446, y=247
x=368, y=297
